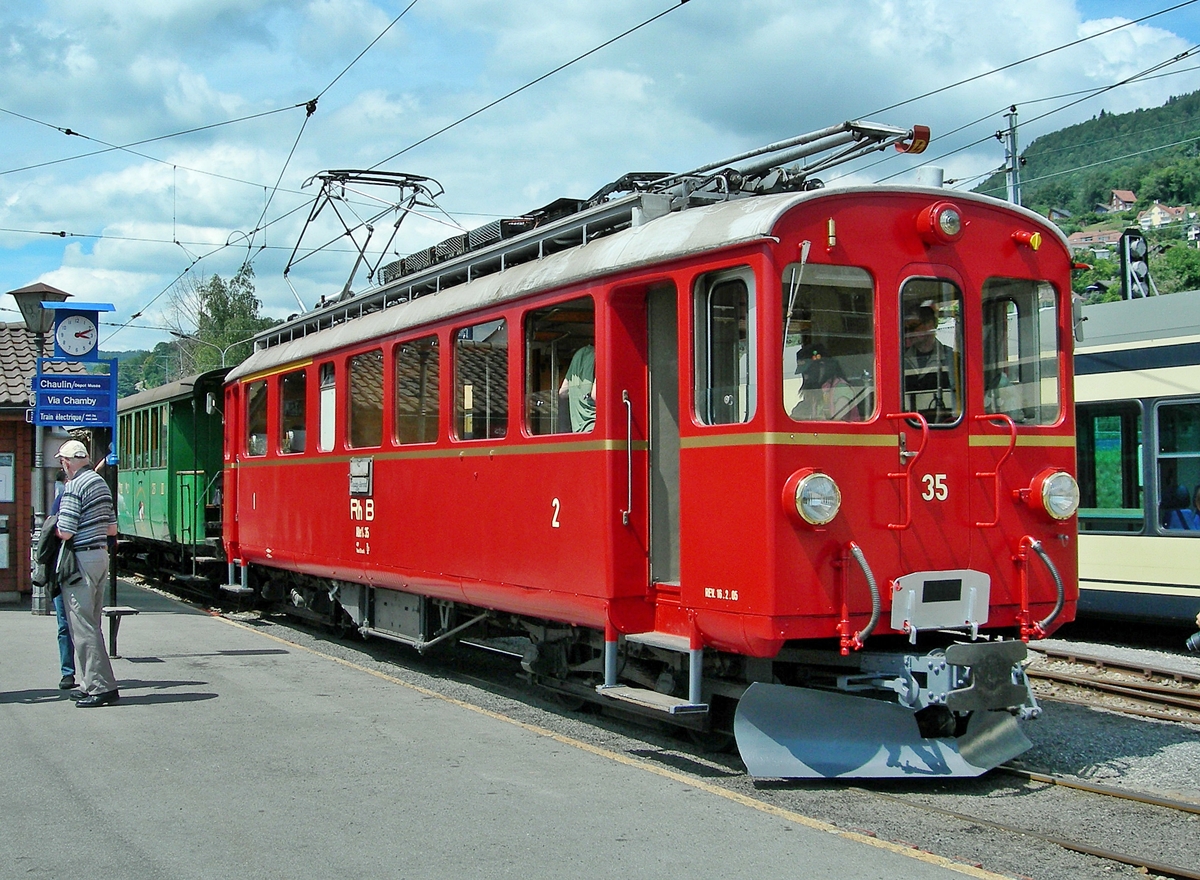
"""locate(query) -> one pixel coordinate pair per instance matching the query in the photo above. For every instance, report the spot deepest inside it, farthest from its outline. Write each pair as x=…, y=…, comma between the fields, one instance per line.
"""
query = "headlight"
x=813, y=496
x=1060, y=495
x=940, y=223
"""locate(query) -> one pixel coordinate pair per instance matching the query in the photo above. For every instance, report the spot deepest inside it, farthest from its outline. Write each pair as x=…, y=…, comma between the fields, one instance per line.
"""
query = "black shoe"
x=77, y=695
x=68, y=682
x=103, y=699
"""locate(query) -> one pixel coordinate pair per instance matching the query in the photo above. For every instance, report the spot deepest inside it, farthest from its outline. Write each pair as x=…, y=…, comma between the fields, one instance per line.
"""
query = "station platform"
x=234, y=754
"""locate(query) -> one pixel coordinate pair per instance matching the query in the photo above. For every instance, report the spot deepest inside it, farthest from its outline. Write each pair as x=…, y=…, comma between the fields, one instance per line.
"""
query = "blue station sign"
x=75, y=400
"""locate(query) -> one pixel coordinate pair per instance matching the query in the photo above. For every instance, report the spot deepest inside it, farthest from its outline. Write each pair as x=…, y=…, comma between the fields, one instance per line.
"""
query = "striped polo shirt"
x=86, y=510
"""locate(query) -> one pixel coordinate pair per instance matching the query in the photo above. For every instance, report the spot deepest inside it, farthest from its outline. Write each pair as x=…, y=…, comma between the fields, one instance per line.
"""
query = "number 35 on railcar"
x=799, y=464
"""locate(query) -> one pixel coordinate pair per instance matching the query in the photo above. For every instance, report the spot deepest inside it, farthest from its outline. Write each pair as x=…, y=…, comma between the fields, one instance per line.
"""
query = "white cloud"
x=707, y=80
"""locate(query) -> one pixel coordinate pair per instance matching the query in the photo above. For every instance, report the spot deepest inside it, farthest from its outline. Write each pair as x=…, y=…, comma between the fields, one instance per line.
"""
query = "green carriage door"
x=188, y=507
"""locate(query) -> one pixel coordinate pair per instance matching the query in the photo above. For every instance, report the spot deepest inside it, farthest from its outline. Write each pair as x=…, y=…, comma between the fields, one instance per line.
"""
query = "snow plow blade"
x=800, y=733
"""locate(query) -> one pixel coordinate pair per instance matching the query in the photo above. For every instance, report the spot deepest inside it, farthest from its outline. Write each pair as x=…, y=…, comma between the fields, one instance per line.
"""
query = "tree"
x=215, y=319
x=1177, y=269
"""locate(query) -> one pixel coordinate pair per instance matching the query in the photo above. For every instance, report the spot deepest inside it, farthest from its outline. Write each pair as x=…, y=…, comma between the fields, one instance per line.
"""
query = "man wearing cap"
x=86, y=518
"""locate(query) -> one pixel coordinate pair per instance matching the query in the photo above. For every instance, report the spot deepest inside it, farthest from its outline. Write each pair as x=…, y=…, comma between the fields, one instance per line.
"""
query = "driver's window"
x=932, y=363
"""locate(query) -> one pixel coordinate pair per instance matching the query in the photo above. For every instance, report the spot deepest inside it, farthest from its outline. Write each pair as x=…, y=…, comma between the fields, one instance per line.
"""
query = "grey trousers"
x=84, y=604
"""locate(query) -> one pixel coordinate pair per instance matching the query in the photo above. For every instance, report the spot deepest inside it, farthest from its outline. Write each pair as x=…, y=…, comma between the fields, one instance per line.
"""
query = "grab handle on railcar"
x=997, y=418
x=628, y=458
x=907, y=460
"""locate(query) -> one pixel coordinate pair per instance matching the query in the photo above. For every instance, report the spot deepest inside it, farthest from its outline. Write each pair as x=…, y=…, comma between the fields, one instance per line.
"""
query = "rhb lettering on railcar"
x=362, y=509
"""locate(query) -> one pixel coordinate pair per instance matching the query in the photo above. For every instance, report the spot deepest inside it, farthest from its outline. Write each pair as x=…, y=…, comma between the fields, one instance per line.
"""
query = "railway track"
x=1133, y=688
x=1142, y=862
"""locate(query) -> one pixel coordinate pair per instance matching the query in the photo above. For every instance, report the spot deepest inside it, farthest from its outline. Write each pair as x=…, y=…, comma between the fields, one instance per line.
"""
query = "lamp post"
x=38, y=321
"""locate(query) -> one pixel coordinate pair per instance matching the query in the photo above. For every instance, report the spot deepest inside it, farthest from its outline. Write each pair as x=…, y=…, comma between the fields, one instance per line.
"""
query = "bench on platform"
x=114, y=613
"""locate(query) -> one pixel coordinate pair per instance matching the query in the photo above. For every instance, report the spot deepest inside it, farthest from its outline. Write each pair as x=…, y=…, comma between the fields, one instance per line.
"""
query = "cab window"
x=1020, y=350
x=328, y=407
x=723, y=318
x=932, y=368
x=828, y=343
x=560, y=368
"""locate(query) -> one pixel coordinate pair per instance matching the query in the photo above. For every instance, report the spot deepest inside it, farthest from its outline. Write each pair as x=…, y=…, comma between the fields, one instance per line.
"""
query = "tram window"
x=1109, y=453
x=123, y=427
x=292, y=412
x=560, y=368
x=932, y=363
x=328, y=407
x=365, y=396
x=1178, y=428
x=725, y=350
x=481, y=381
x=1020, y=350
x=828, y=343
x=163, y=429
x=144, y=438
x=418, y=376
x=256, y=418
x=155, y=435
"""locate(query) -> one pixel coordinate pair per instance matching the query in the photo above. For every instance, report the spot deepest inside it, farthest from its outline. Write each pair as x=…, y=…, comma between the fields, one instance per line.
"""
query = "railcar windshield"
x=933, y=344
x=1020, y=350
x=828, y=343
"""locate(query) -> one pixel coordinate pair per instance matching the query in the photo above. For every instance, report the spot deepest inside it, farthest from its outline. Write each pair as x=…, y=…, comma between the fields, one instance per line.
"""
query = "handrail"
x=628, y=458
x=1004, y=419
x=907, y=460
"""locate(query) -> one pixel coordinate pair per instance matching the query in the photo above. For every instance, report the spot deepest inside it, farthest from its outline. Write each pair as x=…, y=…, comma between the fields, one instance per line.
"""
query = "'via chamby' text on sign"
x=75, y=400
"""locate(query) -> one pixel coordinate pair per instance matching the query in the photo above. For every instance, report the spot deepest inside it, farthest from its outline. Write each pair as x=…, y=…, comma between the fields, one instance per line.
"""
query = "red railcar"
x=820, y=465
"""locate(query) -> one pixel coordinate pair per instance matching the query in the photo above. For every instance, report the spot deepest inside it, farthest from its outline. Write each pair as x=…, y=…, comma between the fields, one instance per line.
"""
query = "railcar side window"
x=725, y=348
x=933, y=344
x=256, y=418
x=1109, y=451
x=124, y=423
x=481, y=381
x=828, y=343
x=417, y=381
x=1178, y=427
x=328, y=405
x=365, y=396
x=292, y=409
x=1020, y=350
x=560, y=368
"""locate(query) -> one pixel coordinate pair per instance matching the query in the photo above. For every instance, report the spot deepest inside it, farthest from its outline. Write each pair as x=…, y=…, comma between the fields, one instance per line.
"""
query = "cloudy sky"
x=207, y=99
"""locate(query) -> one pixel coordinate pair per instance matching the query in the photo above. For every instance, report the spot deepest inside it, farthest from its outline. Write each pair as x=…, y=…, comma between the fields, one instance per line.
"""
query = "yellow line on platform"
x=638, y=763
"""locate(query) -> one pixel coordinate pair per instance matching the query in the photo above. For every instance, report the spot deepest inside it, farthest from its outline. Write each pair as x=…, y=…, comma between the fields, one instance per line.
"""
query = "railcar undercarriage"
x=809, y=712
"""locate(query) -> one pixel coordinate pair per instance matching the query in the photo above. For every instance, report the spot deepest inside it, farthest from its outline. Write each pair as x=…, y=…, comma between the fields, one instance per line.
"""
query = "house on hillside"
x=1098, y=242
x=1122, y=200
x=1158, y=215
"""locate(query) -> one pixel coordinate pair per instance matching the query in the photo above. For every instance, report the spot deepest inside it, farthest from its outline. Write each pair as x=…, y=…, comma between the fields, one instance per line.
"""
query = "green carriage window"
x=1109, y=451
x=366, y=399
x=155, y=437
x=292, y=409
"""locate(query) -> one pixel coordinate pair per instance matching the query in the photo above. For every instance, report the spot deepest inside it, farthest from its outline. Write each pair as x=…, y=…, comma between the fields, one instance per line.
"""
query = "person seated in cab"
x=928, y=368
x=1178, y=516
x=825, y=395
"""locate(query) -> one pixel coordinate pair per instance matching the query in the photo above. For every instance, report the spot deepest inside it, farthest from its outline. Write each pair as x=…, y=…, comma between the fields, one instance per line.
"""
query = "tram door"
x=663, y=360
x=936, y=496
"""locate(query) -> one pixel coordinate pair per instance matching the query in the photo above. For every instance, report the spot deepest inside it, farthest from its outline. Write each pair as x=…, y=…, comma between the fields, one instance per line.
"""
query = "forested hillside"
x=1153, y=153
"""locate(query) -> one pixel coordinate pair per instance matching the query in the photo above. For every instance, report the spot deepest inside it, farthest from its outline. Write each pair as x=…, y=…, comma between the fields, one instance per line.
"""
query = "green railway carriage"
x=169, y=475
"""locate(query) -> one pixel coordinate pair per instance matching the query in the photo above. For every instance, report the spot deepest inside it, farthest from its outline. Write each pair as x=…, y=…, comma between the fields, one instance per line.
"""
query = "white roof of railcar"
x=676, y=235
x=1131, y=323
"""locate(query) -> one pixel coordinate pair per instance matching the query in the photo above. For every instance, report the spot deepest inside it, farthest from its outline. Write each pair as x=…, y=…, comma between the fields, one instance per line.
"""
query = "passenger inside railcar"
x=578, y=389
x=828, y=343
x=825, y=395
x=932, y=339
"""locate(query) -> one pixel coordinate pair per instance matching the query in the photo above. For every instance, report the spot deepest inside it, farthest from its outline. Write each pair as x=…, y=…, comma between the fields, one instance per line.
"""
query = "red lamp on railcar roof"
x=940, y=223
